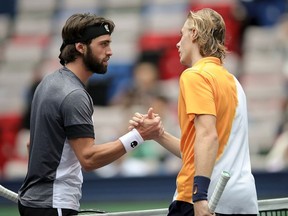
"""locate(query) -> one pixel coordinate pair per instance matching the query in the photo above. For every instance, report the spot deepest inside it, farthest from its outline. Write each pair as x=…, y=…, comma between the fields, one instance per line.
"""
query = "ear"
x=194, y=34
x=80, y=47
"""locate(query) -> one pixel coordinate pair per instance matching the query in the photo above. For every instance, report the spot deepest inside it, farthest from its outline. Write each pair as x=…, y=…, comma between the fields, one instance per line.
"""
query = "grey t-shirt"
x=61, y=110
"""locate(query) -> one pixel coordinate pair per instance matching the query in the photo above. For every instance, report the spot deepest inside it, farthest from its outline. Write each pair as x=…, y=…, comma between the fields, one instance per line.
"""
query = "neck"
x=194, y=60
x=79, y=70
x=196, y=56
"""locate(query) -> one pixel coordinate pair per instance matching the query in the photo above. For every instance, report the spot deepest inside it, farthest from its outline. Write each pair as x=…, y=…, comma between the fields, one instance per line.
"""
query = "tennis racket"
x=8, y=194
x=225, y=176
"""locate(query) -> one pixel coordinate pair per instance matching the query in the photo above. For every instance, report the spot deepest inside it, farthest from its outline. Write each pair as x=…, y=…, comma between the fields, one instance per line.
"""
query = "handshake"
x=142, y=127
x=149, y=125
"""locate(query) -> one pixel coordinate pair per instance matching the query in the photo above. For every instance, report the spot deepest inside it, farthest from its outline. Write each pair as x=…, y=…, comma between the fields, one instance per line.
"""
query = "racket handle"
x=8, y=194
x=225, y=176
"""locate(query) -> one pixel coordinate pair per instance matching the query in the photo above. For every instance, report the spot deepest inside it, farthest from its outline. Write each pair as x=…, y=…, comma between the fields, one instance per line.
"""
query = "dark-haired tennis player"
x=62, y=133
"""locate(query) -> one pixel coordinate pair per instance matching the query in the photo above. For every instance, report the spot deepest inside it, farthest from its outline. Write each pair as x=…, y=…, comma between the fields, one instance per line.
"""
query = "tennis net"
x=273, y=207
x=268, y=207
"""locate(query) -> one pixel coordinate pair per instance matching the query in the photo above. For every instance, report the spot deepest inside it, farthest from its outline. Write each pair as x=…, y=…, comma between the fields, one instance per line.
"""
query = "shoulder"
x=77, y=101
x=78, y=95
x=192, y=75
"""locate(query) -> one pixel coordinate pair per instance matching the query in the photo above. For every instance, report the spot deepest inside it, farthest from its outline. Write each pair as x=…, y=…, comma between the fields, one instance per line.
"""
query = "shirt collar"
x=214, y=60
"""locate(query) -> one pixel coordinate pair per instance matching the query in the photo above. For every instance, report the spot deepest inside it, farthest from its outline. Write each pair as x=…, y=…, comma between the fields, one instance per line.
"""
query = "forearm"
x=93, y=156
x=104, y=154
x=170, y=142
x=205, y=152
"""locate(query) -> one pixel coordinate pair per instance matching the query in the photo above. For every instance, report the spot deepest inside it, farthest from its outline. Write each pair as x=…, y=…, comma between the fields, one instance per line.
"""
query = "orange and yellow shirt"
x=208, y=88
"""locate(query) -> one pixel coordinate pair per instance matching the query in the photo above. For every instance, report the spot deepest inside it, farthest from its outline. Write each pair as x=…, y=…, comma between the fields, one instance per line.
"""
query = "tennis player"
x=213, y=121
x=62, y=139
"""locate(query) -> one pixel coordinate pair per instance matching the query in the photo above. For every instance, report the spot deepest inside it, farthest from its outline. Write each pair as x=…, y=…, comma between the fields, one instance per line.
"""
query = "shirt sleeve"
x=197, y=93
x=77, y=111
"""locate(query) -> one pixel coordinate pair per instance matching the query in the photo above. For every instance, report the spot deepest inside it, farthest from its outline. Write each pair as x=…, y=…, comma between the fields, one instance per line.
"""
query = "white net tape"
x=264, y=205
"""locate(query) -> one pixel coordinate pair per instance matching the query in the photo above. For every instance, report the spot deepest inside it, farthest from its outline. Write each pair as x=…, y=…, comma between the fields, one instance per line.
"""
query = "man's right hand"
x=148, y=125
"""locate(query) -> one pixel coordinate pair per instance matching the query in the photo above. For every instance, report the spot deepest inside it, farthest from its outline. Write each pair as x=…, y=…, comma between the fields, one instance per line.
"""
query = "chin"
x=183, y=62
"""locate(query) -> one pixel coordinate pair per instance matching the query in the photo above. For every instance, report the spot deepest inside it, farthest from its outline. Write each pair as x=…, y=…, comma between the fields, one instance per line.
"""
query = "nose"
x=109, y=51
x=178, y=45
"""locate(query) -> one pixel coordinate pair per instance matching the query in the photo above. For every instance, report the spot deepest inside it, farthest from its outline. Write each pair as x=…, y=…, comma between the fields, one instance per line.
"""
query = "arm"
x=92, y=156
x=205, y=150
x=168, y=141
x=206, y=144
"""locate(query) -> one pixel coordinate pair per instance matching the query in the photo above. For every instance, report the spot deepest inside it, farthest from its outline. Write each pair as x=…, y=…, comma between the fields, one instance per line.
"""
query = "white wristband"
x=131, y=140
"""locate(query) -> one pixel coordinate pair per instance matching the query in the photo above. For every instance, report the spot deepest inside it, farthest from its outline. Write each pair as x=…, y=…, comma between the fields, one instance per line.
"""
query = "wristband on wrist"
x=131, y=140
x=200, y=188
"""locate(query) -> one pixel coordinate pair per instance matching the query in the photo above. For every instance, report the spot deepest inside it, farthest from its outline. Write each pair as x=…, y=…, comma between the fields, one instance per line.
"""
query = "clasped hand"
x=148, y=125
